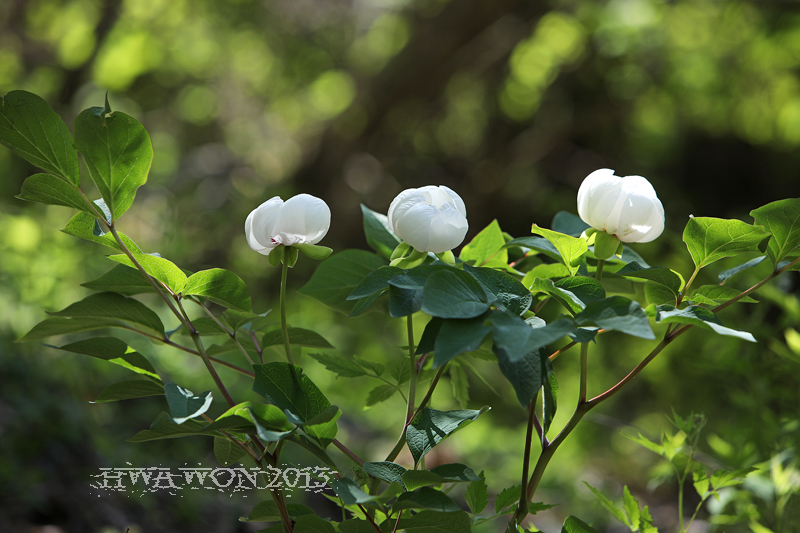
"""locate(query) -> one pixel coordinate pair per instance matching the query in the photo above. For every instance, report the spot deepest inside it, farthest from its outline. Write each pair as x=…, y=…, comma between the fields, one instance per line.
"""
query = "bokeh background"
x=509, y=102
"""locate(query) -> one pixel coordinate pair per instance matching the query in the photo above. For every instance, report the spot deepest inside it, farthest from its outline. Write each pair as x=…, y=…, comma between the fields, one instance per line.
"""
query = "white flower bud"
x=431, y=219
x=302, y=219
x=625, y=207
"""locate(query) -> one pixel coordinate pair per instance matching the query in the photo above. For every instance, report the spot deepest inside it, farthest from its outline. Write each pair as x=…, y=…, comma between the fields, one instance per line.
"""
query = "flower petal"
x=414, y=227
x=303, y=219
x=260, y=223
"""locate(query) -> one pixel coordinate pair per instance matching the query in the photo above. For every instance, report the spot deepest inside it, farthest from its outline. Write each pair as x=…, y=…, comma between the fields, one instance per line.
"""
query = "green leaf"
x=349, y=491
x=425, y=498
x=725, y=275
x=617, y=313
x=427, y=342
x=545, y=270
x=524, y=374
x=323, y=427
x=570, y=249
x=658, y=294
x=429, y=427
x=375, y=281
x=337, y=276
x=117, y=151
x=268, y=512
x=287, y=387
x=313, y=251
x=460, y=384
x=647, y=443
x=386, y=471
x=435, y=522
x=114, y=351
x=50, y=190
x=297, y=337
x=477, y=496
x=573, y=293
x=238, y=319
x=355, y=525
x=576, y=525
x=507, y=496
x=487, y=248
x=509, y=293
x=457, y=336
x=400, y=371
x=782, y=220
x=84, y=226
x=452, y=293
x=404, y=302
x=717, y=294
x=569, y=223
x=538, y=244
x=164, y=428
x=377, y=368
x=363, y=304
x=340, y=366
x=63, y=326
x=379, y=394
x=379, y=236
x=631, y=508
x=712, y=239
x=110, y=305
x=158, y=268
x=447, y=473
x=226, y=452
x=221, y=286
x=701, y=480
x=514, y=338
x=121, y=279
x=183, y=404
x=535, y=507
x=127, y=390
x=311, y=523
x=549, y=394
x=33, y=131
x=698, y=316
x=669, y=278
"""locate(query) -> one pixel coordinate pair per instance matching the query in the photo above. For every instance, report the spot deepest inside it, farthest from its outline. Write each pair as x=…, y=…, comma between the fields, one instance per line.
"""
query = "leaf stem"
x=562, y=350
x=584, y=372
x=353, y=457
x=284, y=327
x=598, y=275
x=685, y=290
x=412, y=380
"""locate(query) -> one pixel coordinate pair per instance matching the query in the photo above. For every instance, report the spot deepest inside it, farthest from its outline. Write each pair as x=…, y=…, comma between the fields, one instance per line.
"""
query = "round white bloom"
x=626, y=207
x=431, y=219
x=300, y=219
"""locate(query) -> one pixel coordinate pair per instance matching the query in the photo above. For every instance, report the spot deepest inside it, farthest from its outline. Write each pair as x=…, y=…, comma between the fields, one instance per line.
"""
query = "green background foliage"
x=511, y=104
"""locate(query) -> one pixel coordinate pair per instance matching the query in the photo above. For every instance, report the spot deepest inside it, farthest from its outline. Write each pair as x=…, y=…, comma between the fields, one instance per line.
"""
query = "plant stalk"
x=284, y=327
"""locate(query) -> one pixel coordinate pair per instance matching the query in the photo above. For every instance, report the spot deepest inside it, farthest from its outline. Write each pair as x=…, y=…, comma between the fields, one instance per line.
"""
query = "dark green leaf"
x=539, y=244
x=524, y=374
x=725, y=275
x=362, y=304
x=117, y=152
x=487, y=248
x=782, y=220
x=109, y=305
x=226, y=452
x=323, y=427
x=356, y=526
x=375, y=281
x=460, y=384
x=379, y=394
x=429, y=334
x=121, y=279
x=576, y=525
x=114, y=351
x=268, y=512
x=549, y=394
x=514, y=338
x=453, y=293
x=569, y=224
x=404, y=302
x=573, y=293
x=64, y=326
x=379, y=236
x=535, y=507
x=377, y=368
x=415, y=278
x=127, y=390
x=33, y=131
x=183, y=404
x=508, y=292
x=477, y=496
x=435, y=522
x=717, y=294
x=447, y=473
x=156, y=267
x=617, y=313
x=669, y=278
x=457, y=336
x=297, y=337
x=698, y=316
x=425, y=498
x=507, y=497
x=349, y=491
x=658, y=294
x=386, y=471
x=429, y=427
x=287, y=387
x=222, y=287
x=337, y=276
x=311, y=523
x=339, y=365
x=164, y=428
x=571, y=249
x=48, y=189
x=712, y=239
x=84, y=226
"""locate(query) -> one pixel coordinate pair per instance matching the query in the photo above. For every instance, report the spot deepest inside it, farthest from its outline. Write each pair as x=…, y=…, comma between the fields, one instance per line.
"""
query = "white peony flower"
x=302, y=219
x=627, y=208
x=430, y=219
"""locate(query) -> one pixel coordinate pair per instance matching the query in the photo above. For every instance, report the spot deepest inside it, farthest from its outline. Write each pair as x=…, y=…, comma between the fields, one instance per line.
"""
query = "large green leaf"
x=515, y=338
x=452, y=293
x=84, y=226
x=349, y=491
x=539, y=244
x=487, y=248
x=337, y=276
x=117, y=151
x=571, y=249
x=447, y=473
x=435, y=522
x=425, y=498
x=457, y=336
x=121, y=279
x=33, y=131
x=379, y=236
x=287, y=387
x=569, y=223
x=114, y=351
x=716, y=294
x=712, y=239
x=183, y=404
x=669, y=278
x=386, y=471
x=782, y=220
x=617, y=313
x=157, y=267
x=110, y=305
x=725, y=275
x=524, y=374
x=429, y=427
x=549, y=394
x=64, y=326
x=297, y=337
x=221, y=286
x=48, y=189
x=127, y=390
x=508, y=292
x=339, y=365
x=375, y=281
x=226, y=452
x=573, y=293
x=576, y=525
x=698, y=316
x=477, y=495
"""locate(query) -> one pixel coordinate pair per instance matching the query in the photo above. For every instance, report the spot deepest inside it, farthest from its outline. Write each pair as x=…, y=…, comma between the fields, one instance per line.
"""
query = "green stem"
x=201, y=349
x=598, y=275
x=680, y=504
x=284, y=327
x=231, y=334
x=522, y=508
x=584, y=372
x=685, y=290
x=353, y=457
x=412, y=380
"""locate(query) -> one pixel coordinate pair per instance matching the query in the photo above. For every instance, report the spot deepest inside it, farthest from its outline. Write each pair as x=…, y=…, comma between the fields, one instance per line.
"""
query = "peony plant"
x=485, y=302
